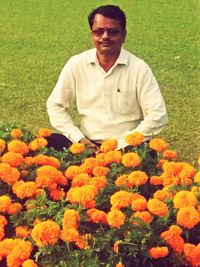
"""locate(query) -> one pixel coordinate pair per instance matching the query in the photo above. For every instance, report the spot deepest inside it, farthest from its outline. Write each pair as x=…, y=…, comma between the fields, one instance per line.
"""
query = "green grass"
x=38, y=36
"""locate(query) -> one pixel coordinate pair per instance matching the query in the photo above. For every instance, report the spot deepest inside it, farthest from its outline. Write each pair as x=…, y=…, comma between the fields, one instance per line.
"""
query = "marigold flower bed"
x=117, y=208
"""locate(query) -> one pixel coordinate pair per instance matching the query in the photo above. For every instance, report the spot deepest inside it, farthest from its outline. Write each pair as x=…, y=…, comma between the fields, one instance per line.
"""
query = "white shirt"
x=111, y=104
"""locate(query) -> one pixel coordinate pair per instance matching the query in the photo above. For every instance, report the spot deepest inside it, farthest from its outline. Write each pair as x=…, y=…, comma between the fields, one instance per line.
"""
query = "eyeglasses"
x=110, y=31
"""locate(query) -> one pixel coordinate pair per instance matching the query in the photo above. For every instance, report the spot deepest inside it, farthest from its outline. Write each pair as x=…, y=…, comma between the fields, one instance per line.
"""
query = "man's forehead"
x=105, y=21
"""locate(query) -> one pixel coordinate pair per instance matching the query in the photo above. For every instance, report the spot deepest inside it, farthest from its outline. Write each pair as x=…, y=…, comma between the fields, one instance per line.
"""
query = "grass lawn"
x=37, y=38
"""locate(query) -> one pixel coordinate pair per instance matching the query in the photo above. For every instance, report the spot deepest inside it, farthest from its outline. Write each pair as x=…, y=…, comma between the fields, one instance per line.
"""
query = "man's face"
x=107, y=35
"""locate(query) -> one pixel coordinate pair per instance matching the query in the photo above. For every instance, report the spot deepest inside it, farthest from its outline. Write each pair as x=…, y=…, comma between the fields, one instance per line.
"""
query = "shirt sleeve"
x=58, y=103
x=152, y=105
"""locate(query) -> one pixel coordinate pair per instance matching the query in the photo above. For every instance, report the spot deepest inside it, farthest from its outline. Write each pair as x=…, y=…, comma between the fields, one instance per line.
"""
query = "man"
x=114, y=91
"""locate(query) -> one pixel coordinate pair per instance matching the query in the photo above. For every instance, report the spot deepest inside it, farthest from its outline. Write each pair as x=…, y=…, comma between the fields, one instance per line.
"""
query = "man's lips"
x=106, y=43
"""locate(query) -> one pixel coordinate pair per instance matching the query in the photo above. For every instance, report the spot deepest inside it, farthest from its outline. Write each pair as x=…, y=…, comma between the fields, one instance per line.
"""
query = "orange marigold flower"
x=72, y=171
x=15, y=185
x=38, y=143
x=29, y=263
x=101, y=157
x=192, y=254
x=77, y=148
x=18, y=146
x=69, y=234
x=80, y=180
x=12, y=158
x=89, y=164
x=134, y=139
x=175, y=229
x=44, y=132
x=121, y=199
x=99, y=182
x=8, y=174
x=139, y=204
x=83, y=241
x=5, y=202
x=45, y=233
x=2, y=235
x=197, y=177
x=3, y=220
x=161, y=162
x=20, y=253
x=157, y=207
x=46, y=160
x=116, y=218
x=113, y=156
x=28, y=161
x=174, y=239
x=71, y=219
x=158, y=252
x=108, y=145
x=170, y=154
x=185, y=199
x=2, y=145
x=57, y=194
x=14, y=208
x=131, y=159
x=188, y=217
x=145, y=216
x=22, y=231
x=27, y=189
x=16, y=133
x=122, y=180
x=156, y=180
x=100, y=171
x=120, y=264
x=162, y=195
x=136, y=178
x=97, y=216
x=158, y=144
x=116, y=246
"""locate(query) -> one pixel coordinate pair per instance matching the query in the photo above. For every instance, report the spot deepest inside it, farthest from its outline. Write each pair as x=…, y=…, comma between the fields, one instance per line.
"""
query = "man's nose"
x=105, y=35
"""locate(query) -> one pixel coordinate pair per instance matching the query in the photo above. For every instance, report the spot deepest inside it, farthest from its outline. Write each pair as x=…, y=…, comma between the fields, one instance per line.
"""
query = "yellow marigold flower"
x=14, y=208
x=161, y=162
x=5, y=202
x=71, y=219
x=131, y=159
x=69, y=235
x=19, y=253
x=187, y=170
x=16, y=133
x=158, y=144
x=101, y=158
x=113, y=156
x=116, y=218
x=192, y=254
x=72, y=171
x=169, y=154
x=18, y=146
x=45, y=233
x=12, y=158
x=195, y=190
x=80, y=180
x=145, y=216
x=121, y=199
x=77, y=148
x=15, y=185
x=185, y=199
x=197, y=177
x=136, y=178
x=120, y=264
x=22, y=231
x=99, y=182
x=27, y=189
x=157, y=207
x=156, y=180
x=100, y=171
x=44, y=132
x=188, y=217
x=57, y=194
x=158, y=252
x=46, y=160
x=116, y=246
x=29, y=263
x=97, y=216
x=134, y=139
x=8, y=174
x=38, y=143
x=122, y=180
x=108, y=145
x=162, y=195
x=2, y=145
x=139, y=204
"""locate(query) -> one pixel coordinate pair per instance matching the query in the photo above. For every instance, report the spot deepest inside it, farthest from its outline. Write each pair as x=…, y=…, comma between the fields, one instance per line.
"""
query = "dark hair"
x=109, y=11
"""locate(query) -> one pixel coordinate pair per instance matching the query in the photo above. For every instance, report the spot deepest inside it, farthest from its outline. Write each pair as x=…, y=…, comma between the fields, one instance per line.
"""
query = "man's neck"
x=107, y=61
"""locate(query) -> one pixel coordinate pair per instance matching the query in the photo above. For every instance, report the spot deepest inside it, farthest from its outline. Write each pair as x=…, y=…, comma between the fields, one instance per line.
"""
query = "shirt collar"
x=122, y=59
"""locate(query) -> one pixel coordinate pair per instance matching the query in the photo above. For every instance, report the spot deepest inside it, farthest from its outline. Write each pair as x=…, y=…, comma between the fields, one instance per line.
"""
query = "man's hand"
x=89, y=143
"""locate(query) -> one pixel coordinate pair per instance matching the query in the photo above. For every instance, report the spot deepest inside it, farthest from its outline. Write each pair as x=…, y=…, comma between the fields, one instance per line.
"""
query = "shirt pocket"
x=124, y=102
